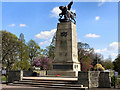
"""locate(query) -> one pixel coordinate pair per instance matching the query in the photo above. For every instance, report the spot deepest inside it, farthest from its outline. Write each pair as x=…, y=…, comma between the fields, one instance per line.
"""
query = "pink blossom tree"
x=44, y=63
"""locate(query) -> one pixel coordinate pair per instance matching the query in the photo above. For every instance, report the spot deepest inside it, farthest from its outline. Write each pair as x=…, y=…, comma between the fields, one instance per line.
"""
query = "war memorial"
x=66, y=63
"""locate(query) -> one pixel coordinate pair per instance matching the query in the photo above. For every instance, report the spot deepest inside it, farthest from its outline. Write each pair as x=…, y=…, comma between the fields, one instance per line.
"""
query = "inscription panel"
x=63, y=34
x=62, y=66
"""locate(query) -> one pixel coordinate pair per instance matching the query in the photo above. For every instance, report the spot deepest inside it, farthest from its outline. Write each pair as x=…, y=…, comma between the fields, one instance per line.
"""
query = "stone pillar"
x=21, y=75
x=89, y=79
x=104, y=80
x=15, y=76
x=66, y=55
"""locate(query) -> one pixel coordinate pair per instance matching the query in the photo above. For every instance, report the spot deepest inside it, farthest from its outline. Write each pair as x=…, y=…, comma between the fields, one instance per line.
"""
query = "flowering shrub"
x=44, y=63
x=99, y=66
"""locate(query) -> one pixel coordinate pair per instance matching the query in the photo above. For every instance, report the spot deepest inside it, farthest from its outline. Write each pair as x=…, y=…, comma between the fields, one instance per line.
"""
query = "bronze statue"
x=68, y=15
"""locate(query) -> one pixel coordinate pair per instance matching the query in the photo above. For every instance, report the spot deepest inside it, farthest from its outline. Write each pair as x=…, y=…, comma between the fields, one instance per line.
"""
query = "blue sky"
x=97, y=23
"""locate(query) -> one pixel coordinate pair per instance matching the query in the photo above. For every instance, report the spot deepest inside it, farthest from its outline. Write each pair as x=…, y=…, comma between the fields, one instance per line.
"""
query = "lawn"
x=3, y=78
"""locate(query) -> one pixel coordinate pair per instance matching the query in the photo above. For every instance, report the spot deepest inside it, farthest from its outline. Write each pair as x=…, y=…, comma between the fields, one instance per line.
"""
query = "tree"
x=50, y=52
x=44, y=63
x=97, y=59
x=23, y=62
x=108, y=64
x=33, y=50
x=53, y=42
x=10, y=46
x=85, y=55
x=83, y=50
x=117, y=64
x=85, y=62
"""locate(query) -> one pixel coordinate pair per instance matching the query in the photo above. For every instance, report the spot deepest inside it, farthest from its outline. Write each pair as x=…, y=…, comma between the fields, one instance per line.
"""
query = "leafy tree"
x=34, y=50
x=10, y=46
x=97, y=59
x=53, y=42
x=108, y=64
x=44, y=63
x=83, y=50
x=117, y=64
x=85, y=62
x=23, y=62
x=50, y=52
x=85, y=55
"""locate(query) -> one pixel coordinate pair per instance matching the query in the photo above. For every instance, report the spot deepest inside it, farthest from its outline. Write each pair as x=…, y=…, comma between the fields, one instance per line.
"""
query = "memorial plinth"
x=66, y=54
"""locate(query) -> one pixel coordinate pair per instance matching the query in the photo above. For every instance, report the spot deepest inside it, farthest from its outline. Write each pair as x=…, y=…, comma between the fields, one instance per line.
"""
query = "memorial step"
x=54, y=83
x=52, y=78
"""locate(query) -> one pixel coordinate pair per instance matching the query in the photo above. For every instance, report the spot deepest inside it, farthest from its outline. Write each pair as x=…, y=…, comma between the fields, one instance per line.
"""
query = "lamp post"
x=97, y=61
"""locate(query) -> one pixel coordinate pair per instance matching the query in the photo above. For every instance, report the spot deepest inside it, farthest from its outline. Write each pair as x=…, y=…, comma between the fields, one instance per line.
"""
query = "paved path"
x=7, y=87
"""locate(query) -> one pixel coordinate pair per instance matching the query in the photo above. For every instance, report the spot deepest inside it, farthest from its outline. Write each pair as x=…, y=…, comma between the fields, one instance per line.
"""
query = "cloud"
x=73, y=10
x=114, y=54
x=97, y=18
x=11, y=25
x=100, y=50
x=111, y=50
x=55, y=12
x=22, y=25
x=92, y=35
x=114, y=44
x=78, y=40
x=45, y=34
x=44, y=43
x=111, y=47
x=101, y=2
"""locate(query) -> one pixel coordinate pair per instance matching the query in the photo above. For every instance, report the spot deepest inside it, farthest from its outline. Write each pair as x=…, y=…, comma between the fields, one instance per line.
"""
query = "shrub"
x=44, y=63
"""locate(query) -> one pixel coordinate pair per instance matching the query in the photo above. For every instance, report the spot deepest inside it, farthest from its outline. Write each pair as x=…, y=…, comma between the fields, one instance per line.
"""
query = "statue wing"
x=69, y=5
x=61, y=8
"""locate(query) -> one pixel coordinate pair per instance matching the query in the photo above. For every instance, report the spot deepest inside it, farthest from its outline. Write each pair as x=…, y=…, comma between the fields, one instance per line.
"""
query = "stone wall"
x=43, y=73
x=27, y=73
x=88, y=79
x=14, y=76
x=30, y=73
x=94, y=79
x=104, y=80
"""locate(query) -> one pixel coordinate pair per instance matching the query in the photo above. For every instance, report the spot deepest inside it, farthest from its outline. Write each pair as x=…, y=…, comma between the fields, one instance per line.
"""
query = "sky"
x=97, y=23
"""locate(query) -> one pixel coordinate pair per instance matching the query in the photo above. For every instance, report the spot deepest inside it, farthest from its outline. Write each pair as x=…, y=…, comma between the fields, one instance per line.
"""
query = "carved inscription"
x=63, y=34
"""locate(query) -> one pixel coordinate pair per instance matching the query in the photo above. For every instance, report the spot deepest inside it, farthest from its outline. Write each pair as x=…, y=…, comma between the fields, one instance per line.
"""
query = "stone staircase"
x=50, y=82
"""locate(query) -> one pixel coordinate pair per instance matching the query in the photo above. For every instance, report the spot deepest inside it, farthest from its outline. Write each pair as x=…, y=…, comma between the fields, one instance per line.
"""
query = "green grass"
x=3, y=78
x=118, y=76
x=118, y=83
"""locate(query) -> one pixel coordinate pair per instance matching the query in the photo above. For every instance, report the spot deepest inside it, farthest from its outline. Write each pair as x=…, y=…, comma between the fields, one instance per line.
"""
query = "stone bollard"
x=15, y=76
x=21, y=75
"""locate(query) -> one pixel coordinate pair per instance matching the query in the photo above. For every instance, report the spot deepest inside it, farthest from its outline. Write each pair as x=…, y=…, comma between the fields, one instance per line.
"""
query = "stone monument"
x=66, y=54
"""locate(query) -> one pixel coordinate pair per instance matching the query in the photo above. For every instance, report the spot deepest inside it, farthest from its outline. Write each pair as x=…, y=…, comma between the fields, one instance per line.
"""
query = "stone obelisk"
x=66, y=54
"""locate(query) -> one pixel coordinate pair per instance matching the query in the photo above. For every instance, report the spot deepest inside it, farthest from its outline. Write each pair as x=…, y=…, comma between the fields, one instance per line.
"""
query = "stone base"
x=62, y=73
